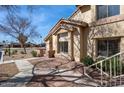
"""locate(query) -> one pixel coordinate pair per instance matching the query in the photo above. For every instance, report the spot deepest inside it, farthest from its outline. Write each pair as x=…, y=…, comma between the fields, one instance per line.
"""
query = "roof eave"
x=83, y=24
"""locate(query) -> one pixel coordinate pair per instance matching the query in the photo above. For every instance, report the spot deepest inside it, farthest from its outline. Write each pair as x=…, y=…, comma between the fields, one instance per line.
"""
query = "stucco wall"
x=76, y=37
x=83, y=15
x=84, y=40
x=47, y=46
x=88, y=13
x=111, y=30
x=103, y=30
x=54, y=43
x=72, y=38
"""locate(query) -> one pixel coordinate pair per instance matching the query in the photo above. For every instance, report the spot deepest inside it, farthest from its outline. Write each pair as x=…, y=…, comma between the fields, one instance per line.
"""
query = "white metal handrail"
x=106, y=59
x=112, y=66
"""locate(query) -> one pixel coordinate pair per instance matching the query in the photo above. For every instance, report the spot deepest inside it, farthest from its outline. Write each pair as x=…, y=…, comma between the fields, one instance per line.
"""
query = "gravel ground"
x=19, y=55
x=53, y=63
x=38, y=81
x=7, y=71
x=52, y=81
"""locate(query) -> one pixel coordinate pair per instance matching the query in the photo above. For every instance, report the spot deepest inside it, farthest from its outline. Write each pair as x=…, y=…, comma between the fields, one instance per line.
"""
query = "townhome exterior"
x=91, y=30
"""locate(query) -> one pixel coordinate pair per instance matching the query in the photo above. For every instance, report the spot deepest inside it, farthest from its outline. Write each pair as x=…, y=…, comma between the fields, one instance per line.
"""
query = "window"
x=63, y=42
x=65, y=34
x=108, y=47
x=104, y=11
x=63, y=46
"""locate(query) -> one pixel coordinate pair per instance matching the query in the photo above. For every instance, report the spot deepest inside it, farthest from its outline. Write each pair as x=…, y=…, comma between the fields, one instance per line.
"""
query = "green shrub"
x=6, y=51
x=87, y=61
x=34, y=53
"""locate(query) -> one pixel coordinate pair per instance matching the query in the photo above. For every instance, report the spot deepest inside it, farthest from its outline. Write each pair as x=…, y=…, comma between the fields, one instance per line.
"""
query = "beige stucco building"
x=91, y=30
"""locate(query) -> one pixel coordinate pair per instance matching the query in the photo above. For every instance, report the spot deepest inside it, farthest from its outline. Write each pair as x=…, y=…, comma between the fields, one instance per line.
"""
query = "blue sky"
x=44, y=18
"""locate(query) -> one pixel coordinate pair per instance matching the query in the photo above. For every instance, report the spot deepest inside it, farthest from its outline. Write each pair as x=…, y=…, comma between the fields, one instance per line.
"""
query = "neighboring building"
x=90, y=30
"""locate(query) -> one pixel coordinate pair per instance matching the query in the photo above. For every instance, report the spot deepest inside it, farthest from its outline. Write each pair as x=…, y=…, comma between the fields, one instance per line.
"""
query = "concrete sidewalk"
x=23, y=77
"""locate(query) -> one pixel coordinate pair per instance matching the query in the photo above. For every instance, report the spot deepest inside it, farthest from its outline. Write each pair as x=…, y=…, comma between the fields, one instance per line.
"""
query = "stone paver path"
x=23, y=77
x=73, y=76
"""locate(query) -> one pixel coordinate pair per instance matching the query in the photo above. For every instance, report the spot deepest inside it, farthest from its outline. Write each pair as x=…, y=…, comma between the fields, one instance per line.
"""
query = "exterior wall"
x=105, y=28
x=73, y=45
x=84, y=40
x=54, y=43
x=122, y=9
x=111, y=30
x=88, y=13
x=76, y=44
x=47, y=46
x=84, y=14
x=70, y=45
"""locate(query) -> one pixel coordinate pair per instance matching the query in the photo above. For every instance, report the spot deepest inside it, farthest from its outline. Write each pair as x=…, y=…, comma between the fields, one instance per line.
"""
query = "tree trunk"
x=24, y=49
x=23, y=46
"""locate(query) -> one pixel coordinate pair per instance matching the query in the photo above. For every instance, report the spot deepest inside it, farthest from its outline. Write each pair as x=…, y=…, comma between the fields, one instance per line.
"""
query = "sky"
x=44, y=17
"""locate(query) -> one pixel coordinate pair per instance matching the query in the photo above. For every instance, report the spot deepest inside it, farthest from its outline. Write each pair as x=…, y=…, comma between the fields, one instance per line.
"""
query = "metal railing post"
x=115, y=69
x=110, y=71
x=120, y=66
x=112, y=67
x=101, y=68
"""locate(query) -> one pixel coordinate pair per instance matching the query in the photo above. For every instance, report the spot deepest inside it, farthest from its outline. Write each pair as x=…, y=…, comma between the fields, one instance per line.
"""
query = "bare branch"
x=18, y=27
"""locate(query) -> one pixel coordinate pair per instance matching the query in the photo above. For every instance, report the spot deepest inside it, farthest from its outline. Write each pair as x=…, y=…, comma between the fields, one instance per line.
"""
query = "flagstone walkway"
x=23, y=77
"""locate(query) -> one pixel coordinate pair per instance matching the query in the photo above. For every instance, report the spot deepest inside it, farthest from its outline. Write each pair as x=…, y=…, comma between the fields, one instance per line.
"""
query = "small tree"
x=20, y=28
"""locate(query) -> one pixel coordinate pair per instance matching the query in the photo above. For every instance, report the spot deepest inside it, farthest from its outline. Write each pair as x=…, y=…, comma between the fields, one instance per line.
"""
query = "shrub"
x=14, y=52
x=87, y=61
x=6, y=51
x=22, y=52
x=34, y=53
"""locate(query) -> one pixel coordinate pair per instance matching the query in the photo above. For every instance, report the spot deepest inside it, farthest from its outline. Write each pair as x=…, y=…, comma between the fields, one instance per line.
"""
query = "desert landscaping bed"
x=7, y=71
x=17, y=57
x=52, y=63
x=19, y=54
x=53, y=80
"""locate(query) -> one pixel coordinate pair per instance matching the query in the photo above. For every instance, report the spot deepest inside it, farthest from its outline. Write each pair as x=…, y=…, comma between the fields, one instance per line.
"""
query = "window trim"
x=65, y=52
x=108, y=39
x=96, y=9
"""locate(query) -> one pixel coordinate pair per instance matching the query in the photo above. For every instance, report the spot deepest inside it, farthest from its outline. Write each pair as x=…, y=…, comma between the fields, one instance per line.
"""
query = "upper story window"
x=104, y=11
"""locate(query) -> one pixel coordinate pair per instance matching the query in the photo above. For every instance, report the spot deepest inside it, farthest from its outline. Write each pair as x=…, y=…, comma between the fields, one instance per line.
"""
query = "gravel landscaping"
x=52, y=80
x=19, y=55
x=7, y=71
x=53, y=63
